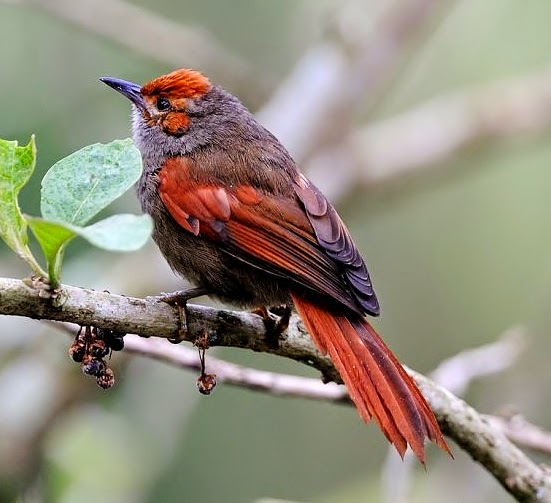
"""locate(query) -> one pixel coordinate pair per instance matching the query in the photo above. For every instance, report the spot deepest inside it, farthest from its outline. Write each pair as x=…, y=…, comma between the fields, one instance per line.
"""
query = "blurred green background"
x=458, y=254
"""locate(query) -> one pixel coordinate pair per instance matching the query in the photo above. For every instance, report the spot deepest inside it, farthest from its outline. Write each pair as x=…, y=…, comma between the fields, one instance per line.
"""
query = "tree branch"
x=521, y=477
x=150, y=318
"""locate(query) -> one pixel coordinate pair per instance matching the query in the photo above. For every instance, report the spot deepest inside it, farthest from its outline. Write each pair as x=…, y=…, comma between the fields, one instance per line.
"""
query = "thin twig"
x=516, y=428
x=237, y=375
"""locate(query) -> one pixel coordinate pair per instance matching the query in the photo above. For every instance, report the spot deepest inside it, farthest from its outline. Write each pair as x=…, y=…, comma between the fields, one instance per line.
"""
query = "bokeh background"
x=428, y=123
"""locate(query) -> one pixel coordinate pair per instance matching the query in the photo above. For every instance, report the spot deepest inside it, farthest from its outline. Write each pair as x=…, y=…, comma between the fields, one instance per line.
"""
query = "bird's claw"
x=182, y=323
x=179, y=300
x=276, y=320
x=181, y=296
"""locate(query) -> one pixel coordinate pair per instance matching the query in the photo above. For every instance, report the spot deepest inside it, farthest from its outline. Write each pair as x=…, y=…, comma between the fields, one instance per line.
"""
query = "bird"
x=235, y=217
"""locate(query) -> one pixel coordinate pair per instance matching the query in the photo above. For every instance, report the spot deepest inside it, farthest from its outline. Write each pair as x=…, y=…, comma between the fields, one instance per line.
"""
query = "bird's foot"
x=179, y=300
x=181, y=296
x=276, y=320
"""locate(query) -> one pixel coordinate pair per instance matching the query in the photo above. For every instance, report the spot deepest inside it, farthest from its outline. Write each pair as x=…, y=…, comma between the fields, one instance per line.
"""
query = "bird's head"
x=167, y=102
x=178, y=112
x=181, y=111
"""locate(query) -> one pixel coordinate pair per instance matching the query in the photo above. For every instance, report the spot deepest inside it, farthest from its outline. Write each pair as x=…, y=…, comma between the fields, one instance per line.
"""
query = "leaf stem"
x=25, y=253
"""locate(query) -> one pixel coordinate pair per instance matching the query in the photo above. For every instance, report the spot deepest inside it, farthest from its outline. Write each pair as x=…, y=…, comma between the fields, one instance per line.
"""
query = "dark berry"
x=116, y=343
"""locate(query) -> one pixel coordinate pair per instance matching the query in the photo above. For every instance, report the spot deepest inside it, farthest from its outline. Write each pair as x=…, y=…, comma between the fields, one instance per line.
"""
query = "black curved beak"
x=129, y=89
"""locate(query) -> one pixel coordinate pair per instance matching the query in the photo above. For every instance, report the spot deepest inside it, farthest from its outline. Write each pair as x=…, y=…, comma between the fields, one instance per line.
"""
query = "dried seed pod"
x=99, y=349
x=90, y=347
x=106, y=378
x=92, y=366
x=77, y=350
x=206, y=383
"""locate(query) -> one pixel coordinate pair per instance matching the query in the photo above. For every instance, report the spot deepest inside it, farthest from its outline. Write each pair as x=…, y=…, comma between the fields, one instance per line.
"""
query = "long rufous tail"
x=375, y=379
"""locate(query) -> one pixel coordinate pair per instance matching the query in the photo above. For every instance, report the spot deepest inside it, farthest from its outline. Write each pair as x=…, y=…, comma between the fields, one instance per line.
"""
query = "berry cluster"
x=90, y=348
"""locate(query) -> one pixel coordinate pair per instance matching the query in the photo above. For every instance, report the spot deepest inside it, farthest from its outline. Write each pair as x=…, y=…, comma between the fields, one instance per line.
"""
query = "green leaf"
x=117, y=233
x=78, y=187
x=52, y=238
x=121, y=233
x=16, y=167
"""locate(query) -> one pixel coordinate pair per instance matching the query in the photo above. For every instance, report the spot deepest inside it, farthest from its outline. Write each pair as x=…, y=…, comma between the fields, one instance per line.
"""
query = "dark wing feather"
x=334, y=238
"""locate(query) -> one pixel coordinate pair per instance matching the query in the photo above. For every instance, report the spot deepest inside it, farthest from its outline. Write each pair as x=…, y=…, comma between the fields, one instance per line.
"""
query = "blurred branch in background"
x=522, y=432
x=315, y=108
x=283, y=385
x=388, y=154
x=352, y=65
x=487, y=444
x=165, y=40
x=458, y=372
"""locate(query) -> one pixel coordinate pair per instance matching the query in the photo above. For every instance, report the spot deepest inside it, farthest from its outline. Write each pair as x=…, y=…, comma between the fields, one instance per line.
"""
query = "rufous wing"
x=270, y=232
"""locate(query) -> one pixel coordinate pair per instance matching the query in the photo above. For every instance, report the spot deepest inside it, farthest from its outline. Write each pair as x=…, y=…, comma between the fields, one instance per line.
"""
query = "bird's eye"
x=163, y=104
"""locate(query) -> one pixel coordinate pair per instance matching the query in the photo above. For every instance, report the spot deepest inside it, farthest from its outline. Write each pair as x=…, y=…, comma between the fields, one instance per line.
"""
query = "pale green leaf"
x=82, y=184
x=16, y=167
x=52, y=238
x=119, y=233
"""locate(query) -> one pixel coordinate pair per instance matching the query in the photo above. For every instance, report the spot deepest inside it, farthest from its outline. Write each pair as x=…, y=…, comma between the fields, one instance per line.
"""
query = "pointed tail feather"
x=376, y=381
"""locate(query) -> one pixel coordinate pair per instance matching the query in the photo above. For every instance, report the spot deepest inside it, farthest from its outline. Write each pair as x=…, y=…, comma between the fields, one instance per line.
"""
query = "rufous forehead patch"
x=182, y=83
